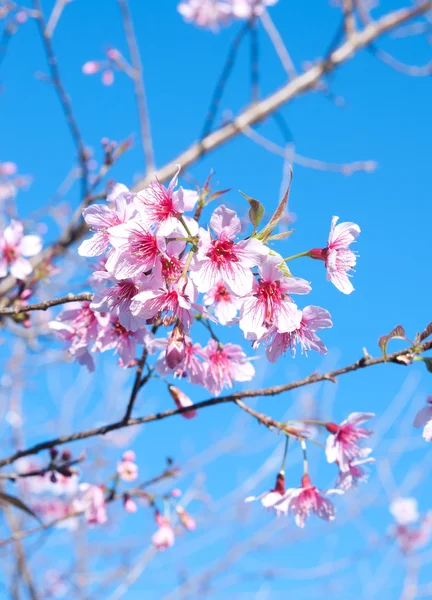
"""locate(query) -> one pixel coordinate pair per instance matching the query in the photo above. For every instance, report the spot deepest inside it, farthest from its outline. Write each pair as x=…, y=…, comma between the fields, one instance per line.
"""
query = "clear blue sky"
x=386, y=118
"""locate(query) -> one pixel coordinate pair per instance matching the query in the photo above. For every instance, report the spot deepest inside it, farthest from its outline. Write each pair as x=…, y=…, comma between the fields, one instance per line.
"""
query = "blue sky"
x=385, y=118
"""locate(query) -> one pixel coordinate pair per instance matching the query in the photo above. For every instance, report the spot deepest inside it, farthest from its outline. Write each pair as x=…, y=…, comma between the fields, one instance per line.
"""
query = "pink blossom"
x=14, y=246
x=164, y=537
x=269, y=499
x=223, y=259
x=91, y=67
x=162, y=207
x=313, y=318
x=114, y=61
x=55, y=509
x=101, y=218
x=129, y=504
x=116, y=337
x=91, y=501
x=8, y=168
x=186, y=519
x=342, y=445
x=181, y=401
x=245, y=9
x=226, y=304
x=176, y=349
x=405, y=510
x=411, y=539
x=424, y=419
x=205, y=13
x=269, y=303
x=224, y=365
x=339, y=259
x=136, y=249
x=305, y=499
x=190, y=367
x=127, y=469
x=354, y=475
x=117, y=298
x=176, y=493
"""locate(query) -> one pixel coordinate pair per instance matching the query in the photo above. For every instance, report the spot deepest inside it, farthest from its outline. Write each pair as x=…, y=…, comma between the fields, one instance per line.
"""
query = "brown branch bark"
x=16, y=310
x=275, y=390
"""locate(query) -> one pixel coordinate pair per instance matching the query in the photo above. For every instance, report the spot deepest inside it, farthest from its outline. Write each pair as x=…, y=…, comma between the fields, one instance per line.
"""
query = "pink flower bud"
x=8, y=168
x=182, y=401
x=113, y=54
x=129, y=504
x=108, y=77
x=129, y=455
x=21, y=17
x=188, y=522
x=91, y=67
x=176, y=348
x=176, y=493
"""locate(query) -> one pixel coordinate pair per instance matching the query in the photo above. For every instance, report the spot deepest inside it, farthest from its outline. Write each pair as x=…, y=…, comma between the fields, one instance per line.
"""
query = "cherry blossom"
x=245, y=9
x=355, y=473
x=209, y=14
x=91, y=501
x=186, y=519
x=136, y=249
x=15, y=247
x=405, y=510
x=342, y=445
x=306, y=499
x=113, y=62
x=223, y=259
x=117, y=298
x=190, y=367
x=410, y=538
x=164, y=537
x=424, y=419
x=182, y=401
x=10, y=181
x=129, y=504
x=339, y=259
x=270, y=498
x=269, y=303
x=113, y=336
x=225, y=303
x=127, y=469
x=224, y=365
x=313, y=318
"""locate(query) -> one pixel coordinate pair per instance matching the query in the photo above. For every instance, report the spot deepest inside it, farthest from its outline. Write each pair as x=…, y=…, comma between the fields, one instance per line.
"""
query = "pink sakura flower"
x=181, y=401
x=225, y=364
x=164, y=537
x=245, y=9
x=190, y=367
x=115, y=61
x=305, y=499
x=55, y=509
x=161, y=207
x=7, y=169
x=354, y=475
x=157, y=299
x=129, y=504
x=176, y=349
x=205, y=13
x=223, y=259
x=117, y=299
x=405, y=510
x=136, y=249
x=225, y=303
x=186, y=519
x=411, y=539
x=313, y=318
x=124, y=342
x=424, y=419
x=91, y=501
x=127, y=469
x=14, y=247
x=342, y=445
x=101, y=218
x=79, y=325
x=269, y=499
x=269, y=304
x=339, y=259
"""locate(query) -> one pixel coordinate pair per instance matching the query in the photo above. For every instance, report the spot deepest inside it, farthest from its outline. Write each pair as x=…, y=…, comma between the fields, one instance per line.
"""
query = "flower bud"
x=176, y=348
x=182, y=401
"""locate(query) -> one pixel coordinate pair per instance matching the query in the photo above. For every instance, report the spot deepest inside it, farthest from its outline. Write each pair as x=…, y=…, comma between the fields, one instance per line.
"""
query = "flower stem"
x=183, y=222
x=282, y=469
x=297, y=256
x=305, y=460
x=188, y=262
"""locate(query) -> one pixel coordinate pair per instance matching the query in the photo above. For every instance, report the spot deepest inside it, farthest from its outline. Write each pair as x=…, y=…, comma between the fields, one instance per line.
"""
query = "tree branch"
x=16, y=310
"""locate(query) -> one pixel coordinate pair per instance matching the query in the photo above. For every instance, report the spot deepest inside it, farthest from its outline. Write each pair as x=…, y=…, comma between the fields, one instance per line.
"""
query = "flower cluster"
x=15, y=248
x=411, y=531
x=210, y=14
x=156, y=261
x=11, y=181
x=113, y=62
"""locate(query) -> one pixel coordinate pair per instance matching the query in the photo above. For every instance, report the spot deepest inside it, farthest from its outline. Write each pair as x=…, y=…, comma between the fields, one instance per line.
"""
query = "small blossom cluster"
x=156, y=261
x=411, y=531
x=211, y=14
x=11, y=181
x=113, y=62
x=15, y=249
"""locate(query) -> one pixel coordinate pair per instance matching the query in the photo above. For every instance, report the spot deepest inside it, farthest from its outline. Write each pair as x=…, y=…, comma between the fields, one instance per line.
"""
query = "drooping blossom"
x=424, y=419
x=80, y=326
x=127, y=469
x=339, y=259
x=306, y=499
x=269, y=303
x=181, y=401
x=191, y=366
x=102, y=217
x=313, y=318
x=186, y=519
x=129, y=504
x=245, y=9
x=114, y=336
x=225, y=303
x=222, y=258
x=355, y=474
x=15, y=247
x=224, y=365
x=164, y=537
x=91, y=501
x=116, y=298
x=209, y=14
x=270, y=498
x=114, y=62
x=342, y=445
x=405, y=510
x=162, y=207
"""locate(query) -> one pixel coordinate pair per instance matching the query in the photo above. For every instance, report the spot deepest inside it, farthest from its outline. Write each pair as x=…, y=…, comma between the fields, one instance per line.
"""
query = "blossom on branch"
x=342, y=445
x=269, y=499
x=15, y=248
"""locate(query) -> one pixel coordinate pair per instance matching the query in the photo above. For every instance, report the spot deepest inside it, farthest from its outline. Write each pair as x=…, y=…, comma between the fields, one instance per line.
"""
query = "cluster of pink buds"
x=14, y=14
x=211, y=14
x=113, y=62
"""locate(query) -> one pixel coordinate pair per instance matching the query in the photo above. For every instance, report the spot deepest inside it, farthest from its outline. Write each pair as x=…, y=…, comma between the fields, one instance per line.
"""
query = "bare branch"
x=16, y=310
x=278, y=44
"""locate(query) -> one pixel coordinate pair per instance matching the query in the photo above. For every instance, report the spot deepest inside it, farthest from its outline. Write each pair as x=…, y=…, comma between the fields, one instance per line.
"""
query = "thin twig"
x=54, y=17
x=137, y=385
x=140, y=92
x=254, y=60
x=16, y=310
x=278, y=44
x=394, y=358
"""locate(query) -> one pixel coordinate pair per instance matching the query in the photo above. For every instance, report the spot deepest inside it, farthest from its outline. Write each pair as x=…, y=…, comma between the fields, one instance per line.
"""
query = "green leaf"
x=256, y=211
x=426, y=332
x=265, y=233
x=5, y=499
x=397, y=333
